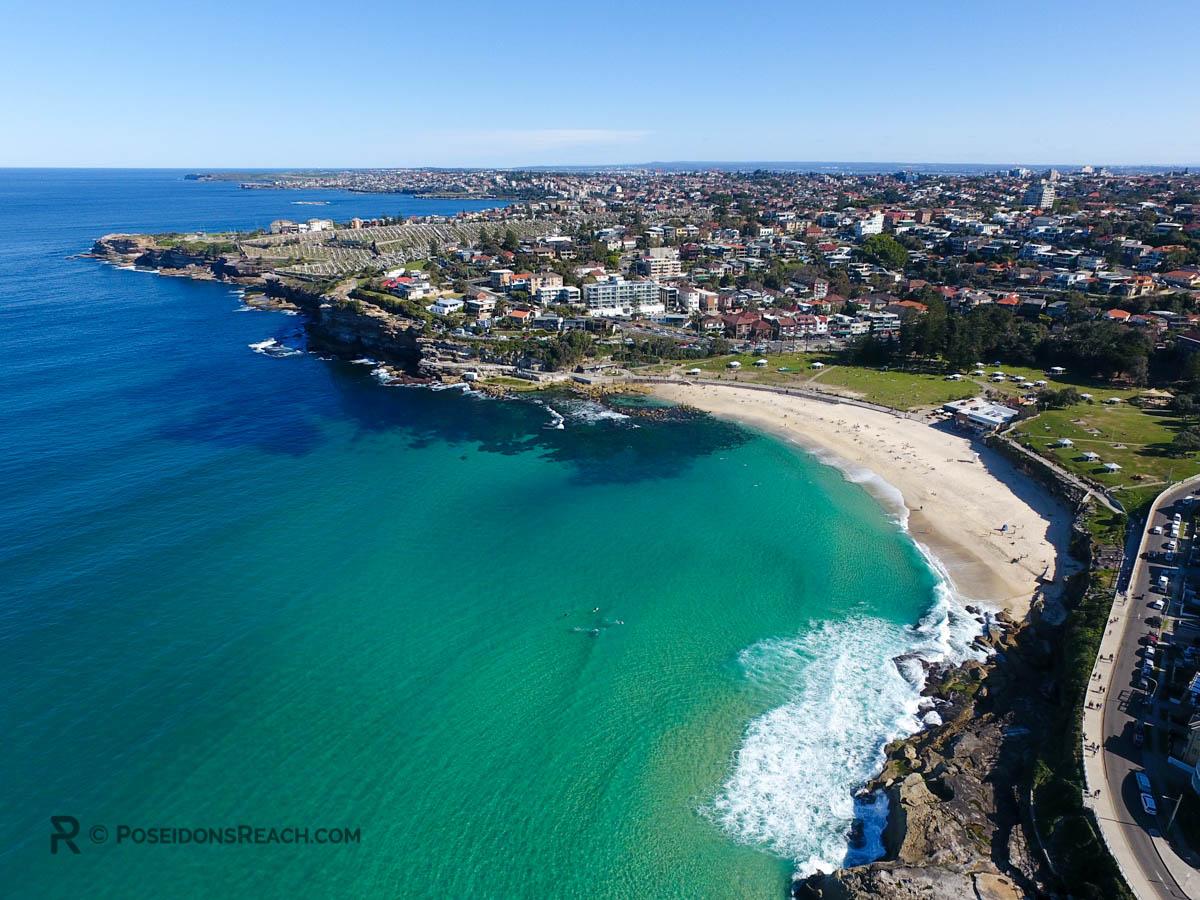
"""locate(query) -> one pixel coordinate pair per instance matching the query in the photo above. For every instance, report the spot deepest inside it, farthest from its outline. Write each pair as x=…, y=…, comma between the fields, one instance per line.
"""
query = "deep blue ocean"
x=624, y=658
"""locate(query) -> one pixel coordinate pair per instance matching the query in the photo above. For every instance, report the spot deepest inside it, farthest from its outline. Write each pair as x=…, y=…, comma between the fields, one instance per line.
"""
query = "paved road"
x=1117, y=699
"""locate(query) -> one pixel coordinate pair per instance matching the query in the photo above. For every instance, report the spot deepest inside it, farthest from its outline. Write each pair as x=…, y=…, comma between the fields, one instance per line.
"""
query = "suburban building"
x=1041, y=195
x=557, y=294
x=618, y=297
x=870, y=225
x=660, y=262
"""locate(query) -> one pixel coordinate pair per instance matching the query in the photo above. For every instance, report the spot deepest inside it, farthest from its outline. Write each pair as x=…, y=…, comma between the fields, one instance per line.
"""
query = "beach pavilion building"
x=980, y=415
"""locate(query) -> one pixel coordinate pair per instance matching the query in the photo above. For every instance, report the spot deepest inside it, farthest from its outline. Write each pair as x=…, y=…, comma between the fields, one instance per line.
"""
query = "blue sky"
x=382, y=84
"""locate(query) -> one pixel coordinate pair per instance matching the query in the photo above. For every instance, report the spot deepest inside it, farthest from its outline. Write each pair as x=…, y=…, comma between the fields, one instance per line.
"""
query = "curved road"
x=1116, y=702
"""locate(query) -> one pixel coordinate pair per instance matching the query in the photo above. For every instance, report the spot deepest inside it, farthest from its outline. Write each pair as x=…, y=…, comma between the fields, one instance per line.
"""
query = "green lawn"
x=799, y=364
x=1098, y=390
x=899, y=390
x=1136, y=439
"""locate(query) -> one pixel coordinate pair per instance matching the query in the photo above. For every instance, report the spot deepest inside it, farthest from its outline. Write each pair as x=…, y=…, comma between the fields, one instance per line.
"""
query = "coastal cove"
x=1002, y=540
x=294, y=596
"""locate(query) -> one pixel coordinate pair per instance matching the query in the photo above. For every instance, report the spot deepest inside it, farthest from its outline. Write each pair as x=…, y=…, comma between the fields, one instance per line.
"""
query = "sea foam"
x=853, y=686
x=271, y=347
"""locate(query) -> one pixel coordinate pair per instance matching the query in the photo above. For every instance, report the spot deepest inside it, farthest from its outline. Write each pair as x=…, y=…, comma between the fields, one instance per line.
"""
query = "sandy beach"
x=960, y=495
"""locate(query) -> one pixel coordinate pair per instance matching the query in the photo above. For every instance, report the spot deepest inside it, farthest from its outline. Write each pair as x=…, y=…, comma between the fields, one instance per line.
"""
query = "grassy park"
x=1136, y=439
x=897, y=389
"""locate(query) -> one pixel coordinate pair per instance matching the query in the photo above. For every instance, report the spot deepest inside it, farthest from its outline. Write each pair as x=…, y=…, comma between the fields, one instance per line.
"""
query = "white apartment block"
x=620, y=298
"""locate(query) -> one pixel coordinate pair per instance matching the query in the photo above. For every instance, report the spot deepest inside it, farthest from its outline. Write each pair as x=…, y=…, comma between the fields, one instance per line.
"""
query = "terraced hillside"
x=325, y=254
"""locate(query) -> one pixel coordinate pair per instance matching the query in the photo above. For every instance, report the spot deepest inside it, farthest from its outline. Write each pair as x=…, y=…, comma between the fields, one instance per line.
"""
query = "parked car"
x=1143, y=782
x=1154, y=621
x=1149, y=805
x=1157, y=529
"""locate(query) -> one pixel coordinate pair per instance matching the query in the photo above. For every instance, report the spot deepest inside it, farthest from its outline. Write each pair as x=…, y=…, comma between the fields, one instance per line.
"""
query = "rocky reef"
x=360, y=329
x=962, y=818
x=335, y=324
x=956, y=826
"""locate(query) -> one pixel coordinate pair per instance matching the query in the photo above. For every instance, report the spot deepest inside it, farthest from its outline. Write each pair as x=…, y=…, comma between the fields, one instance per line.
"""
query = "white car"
x=1157, y=603
x=1157, y=529
x=1149, y=805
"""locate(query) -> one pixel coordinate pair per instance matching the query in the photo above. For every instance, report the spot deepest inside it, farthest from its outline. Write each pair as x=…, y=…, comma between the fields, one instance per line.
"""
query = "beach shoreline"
x=1001, y=539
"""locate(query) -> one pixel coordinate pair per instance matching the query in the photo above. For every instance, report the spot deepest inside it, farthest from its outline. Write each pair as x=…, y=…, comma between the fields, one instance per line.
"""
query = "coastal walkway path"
x=1150, y=865
x=1089, y=490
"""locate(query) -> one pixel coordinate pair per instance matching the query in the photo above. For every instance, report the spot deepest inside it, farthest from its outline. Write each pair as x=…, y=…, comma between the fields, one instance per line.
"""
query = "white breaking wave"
x=557, y=421
x=364, y=361
x=274, y=349
x=885, y=492
x=793, y=779
x=855, y=686
x=590, y=412
x=382, y=375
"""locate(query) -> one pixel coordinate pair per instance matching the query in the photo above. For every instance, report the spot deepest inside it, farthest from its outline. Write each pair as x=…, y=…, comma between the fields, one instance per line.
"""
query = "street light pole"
x=1171, y=820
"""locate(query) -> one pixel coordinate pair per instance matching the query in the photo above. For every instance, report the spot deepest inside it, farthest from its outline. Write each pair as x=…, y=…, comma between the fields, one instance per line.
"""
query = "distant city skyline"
x=276, y=85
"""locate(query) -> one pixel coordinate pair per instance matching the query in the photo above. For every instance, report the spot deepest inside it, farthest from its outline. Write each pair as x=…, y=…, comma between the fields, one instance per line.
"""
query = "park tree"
x=1186, y=441
x=886, y=251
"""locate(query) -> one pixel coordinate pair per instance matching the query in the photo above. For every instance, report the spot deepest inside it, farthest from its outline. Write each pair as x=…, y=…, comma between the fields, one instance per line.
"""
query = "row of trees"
x=1094, y=348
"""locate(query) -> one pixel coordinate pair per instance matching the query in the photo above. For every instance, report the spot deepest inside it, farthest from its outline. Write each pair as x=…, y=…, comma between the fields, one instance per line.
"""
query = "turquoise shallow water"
x=238, y=589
